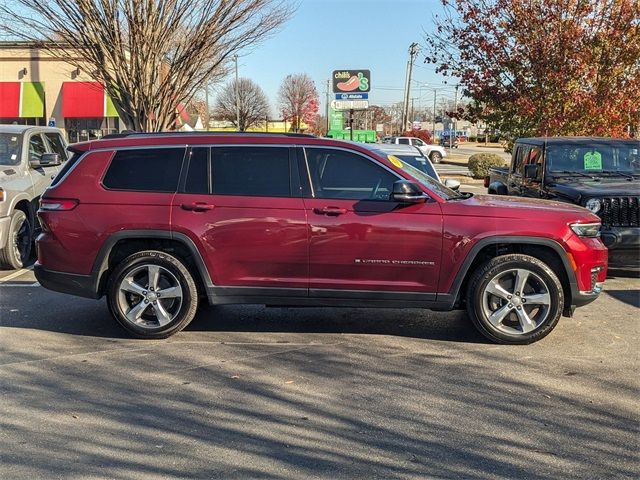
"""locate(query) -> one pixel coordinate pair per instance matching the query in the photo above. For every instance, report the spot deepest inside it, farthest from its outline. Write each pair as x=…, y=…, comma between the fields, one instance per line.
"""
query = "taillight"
x=58, y=204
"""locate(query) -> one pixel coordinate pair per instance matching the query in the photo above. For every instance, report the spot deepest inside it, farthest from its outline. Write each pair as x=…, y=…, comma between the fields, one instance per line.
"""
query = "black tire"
x=435, y=157
x=480, y=301
x=172, y=270
x=17, y=250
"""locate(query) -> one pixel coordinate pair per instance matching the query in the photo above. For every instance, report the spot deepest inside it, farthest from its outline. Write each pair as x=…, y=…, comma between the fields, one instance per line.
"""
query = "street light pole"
x=433, y=136
x=455, y=121
x=235, y=57
x=327, y=105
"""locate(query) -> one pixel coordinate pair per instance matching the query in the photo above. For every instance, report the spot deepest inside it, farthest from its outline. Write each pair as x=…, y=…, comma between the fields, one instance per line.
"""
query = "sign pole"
x=351, y=124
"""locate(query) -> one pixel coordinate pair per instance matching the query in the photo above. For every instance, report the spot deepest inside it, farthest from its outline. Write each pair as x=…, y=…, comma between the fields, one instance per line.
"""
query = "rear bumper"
x=70, y=283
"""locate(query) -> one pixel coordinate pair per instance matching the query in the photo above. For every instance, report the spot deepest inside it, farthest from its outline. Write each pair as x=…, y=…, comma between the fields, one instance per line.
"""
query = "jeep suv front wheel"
x=515, y=299
x=152, y=294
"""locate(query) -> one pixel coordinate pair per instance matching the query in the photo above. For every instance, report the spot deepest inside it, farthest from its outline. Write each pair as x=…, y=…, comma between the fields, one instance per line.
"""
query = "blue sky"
x=326, y=35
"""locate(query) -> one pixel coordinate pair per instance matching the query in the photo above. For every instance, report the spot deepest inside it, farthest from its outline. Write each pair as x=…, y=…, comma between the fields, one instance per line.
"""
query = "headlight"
x=594, y=204
x=586, y=229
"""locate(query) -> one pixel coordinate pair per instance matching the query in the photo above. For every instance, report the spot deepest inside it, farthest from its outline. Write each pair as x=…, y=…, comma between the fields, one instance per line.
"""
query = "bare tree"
x=254, y=106
x=298, y=100
x=150, y=55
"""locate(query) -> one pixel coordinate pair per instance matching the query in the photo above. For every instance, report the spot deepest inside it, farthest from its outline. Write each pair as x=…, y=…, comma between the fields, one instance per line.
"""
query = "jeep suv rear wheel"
x=152, y=294
x=515, y=299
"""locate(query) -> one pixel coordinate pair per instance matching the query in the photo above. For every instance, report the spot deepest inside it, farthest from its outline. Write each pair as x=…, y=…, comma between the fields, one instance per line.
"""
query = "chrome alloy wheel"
x=150, y=296
x=516, y=301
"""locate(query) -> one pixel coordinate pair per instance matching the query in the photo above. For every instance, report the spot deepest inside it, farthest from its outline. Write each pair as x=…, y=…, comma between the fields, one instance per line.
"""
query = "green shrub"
x=479, y=163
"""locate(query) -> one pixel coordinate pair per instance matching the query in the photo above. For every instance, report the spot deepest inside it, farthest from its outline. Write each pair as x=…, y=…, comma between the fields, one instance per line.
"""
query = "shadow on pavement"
x=630, y=297
x=210, y=410
x=618, y=273
x=50, y=311
x=414, y=323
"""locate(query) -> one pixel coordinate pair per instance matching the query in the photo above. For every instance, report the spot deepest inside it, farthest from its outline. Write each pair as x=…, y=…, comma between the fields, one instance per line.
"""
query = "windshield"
x=429, y=182
x=10, y=144
x=594, y=157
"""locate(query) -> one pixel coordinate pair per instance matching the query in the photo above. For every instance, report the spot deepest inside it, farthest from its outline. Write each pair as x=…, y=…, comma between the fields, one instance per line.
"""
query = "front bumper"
x=5, y=223
x=624, y=246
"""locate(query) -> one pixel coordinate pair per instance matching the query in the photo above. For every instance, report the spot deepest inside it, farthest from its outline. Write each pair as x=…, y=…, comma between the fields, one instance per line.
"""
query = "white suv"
x=433, y=152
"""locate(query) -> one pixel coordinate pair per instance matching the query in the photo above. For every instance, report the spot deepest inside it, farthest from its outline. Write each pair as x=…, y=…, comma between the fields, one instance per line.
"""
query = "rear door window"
x=145, y=170
x=251, y=171
x=403, y=141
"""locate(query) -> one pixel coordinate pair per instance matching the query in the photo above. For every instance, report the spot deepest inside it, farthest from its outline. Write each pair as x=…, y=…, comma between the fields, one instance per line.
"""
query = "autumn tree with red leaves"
x=298, y=100
x=423, y=135
x=544, y=67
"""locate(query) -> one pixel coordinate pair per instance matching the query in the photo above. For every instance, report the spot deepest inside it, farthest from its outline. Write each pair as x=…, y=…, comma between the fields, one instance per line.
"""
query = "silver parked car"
x=414, y=157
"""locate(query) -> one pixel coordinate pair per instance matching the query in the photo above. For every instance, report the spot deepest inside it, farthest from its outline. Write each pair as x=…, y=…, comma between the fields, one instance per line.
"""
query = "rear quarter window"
x=66, y=166
x=145, y=170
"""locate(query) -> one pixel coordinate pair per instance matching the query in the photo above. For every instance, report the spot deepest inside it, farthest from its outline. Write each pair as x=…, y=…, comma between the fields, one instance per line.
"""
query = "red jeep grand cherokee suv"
x=157, y=221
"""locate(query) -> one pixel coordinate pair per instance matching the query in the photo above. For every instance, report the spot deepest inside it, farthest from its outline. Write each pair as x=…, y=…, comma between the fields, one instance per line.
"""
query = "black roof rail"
x=128, y=133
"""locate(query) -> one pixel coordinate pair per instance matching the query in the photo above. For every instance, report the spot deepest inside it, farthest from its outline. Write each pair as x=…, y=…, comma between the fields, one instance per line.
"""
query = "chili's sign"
x=351, y=81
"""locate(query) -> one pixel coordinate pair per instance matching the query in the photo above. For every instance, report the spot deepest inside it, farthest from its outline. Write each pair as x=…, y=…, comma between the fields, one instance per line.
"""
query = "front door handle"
x=330, y=211
x=197, y=206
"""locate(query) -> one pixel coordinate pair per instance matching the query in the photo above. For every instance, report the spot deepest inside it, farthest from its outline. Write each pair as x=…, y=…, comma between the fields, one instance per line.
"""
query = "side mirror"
x=531, y=172
x=45, y=160
x=452, y=184
x=405, y=191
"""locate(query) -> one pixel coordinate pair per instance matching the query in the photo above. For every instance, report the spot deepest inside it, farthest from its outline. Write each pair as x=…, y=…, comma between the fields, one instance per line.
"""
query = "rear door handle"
x=197, y=206
x=330, y=211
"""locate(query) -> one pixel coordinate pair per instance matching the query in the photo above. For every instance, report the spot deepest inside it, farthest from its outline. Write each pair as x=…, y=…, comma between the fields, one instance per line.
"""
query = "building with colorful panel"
x=38, y=89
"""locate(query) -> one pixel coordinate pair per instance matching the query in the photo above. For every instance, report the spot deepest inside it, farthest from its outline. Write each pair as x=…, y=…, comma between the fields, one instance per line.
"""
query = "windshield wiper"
x=462, y=196
x=624, y=174
x=578, y=173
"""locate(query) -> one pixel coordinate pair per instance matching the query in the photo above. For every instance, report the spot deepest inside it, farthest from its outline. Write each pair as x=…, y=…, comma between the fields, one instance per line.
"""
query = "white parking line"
x=22, y=285
x=13, y=275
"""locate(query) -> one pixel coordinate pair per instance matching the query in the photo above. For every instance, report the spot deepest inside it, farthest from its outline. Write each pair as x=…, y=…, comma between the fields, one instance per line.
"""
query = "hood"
x=578, y=189
x=502, y=206
x=8, y=173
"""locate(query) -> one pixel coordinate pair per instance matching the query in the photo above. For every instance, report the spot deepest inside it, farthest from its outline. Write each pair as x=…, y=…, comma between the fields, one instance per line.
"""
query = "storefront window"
x=38, y=122
x=85, y=129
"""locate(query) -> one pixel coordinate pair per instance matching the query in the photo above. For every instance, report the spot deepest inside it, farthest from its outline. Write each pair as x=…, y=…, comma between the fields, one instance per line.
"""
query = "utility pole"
x=433, y=136
x=235, y=57
x=327, y=105
x=413, y=52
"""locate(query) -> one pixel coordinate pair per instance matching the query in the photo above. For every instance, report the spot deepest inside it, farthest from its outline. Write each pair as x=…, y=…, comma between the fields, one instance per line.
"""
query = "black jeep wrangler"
x=601, y=174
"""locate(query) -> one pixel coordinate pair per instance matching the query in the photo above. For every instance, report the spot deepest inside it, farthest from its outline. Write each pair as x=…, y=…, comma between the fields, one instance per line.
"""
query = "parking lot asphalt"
x=254, y=392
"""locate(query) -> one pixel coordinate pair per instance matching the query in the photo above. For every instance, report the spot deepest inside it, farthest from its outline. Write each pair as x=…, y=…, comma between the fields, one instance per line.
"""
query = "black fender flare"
x=101, y=263
x=452, y=296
